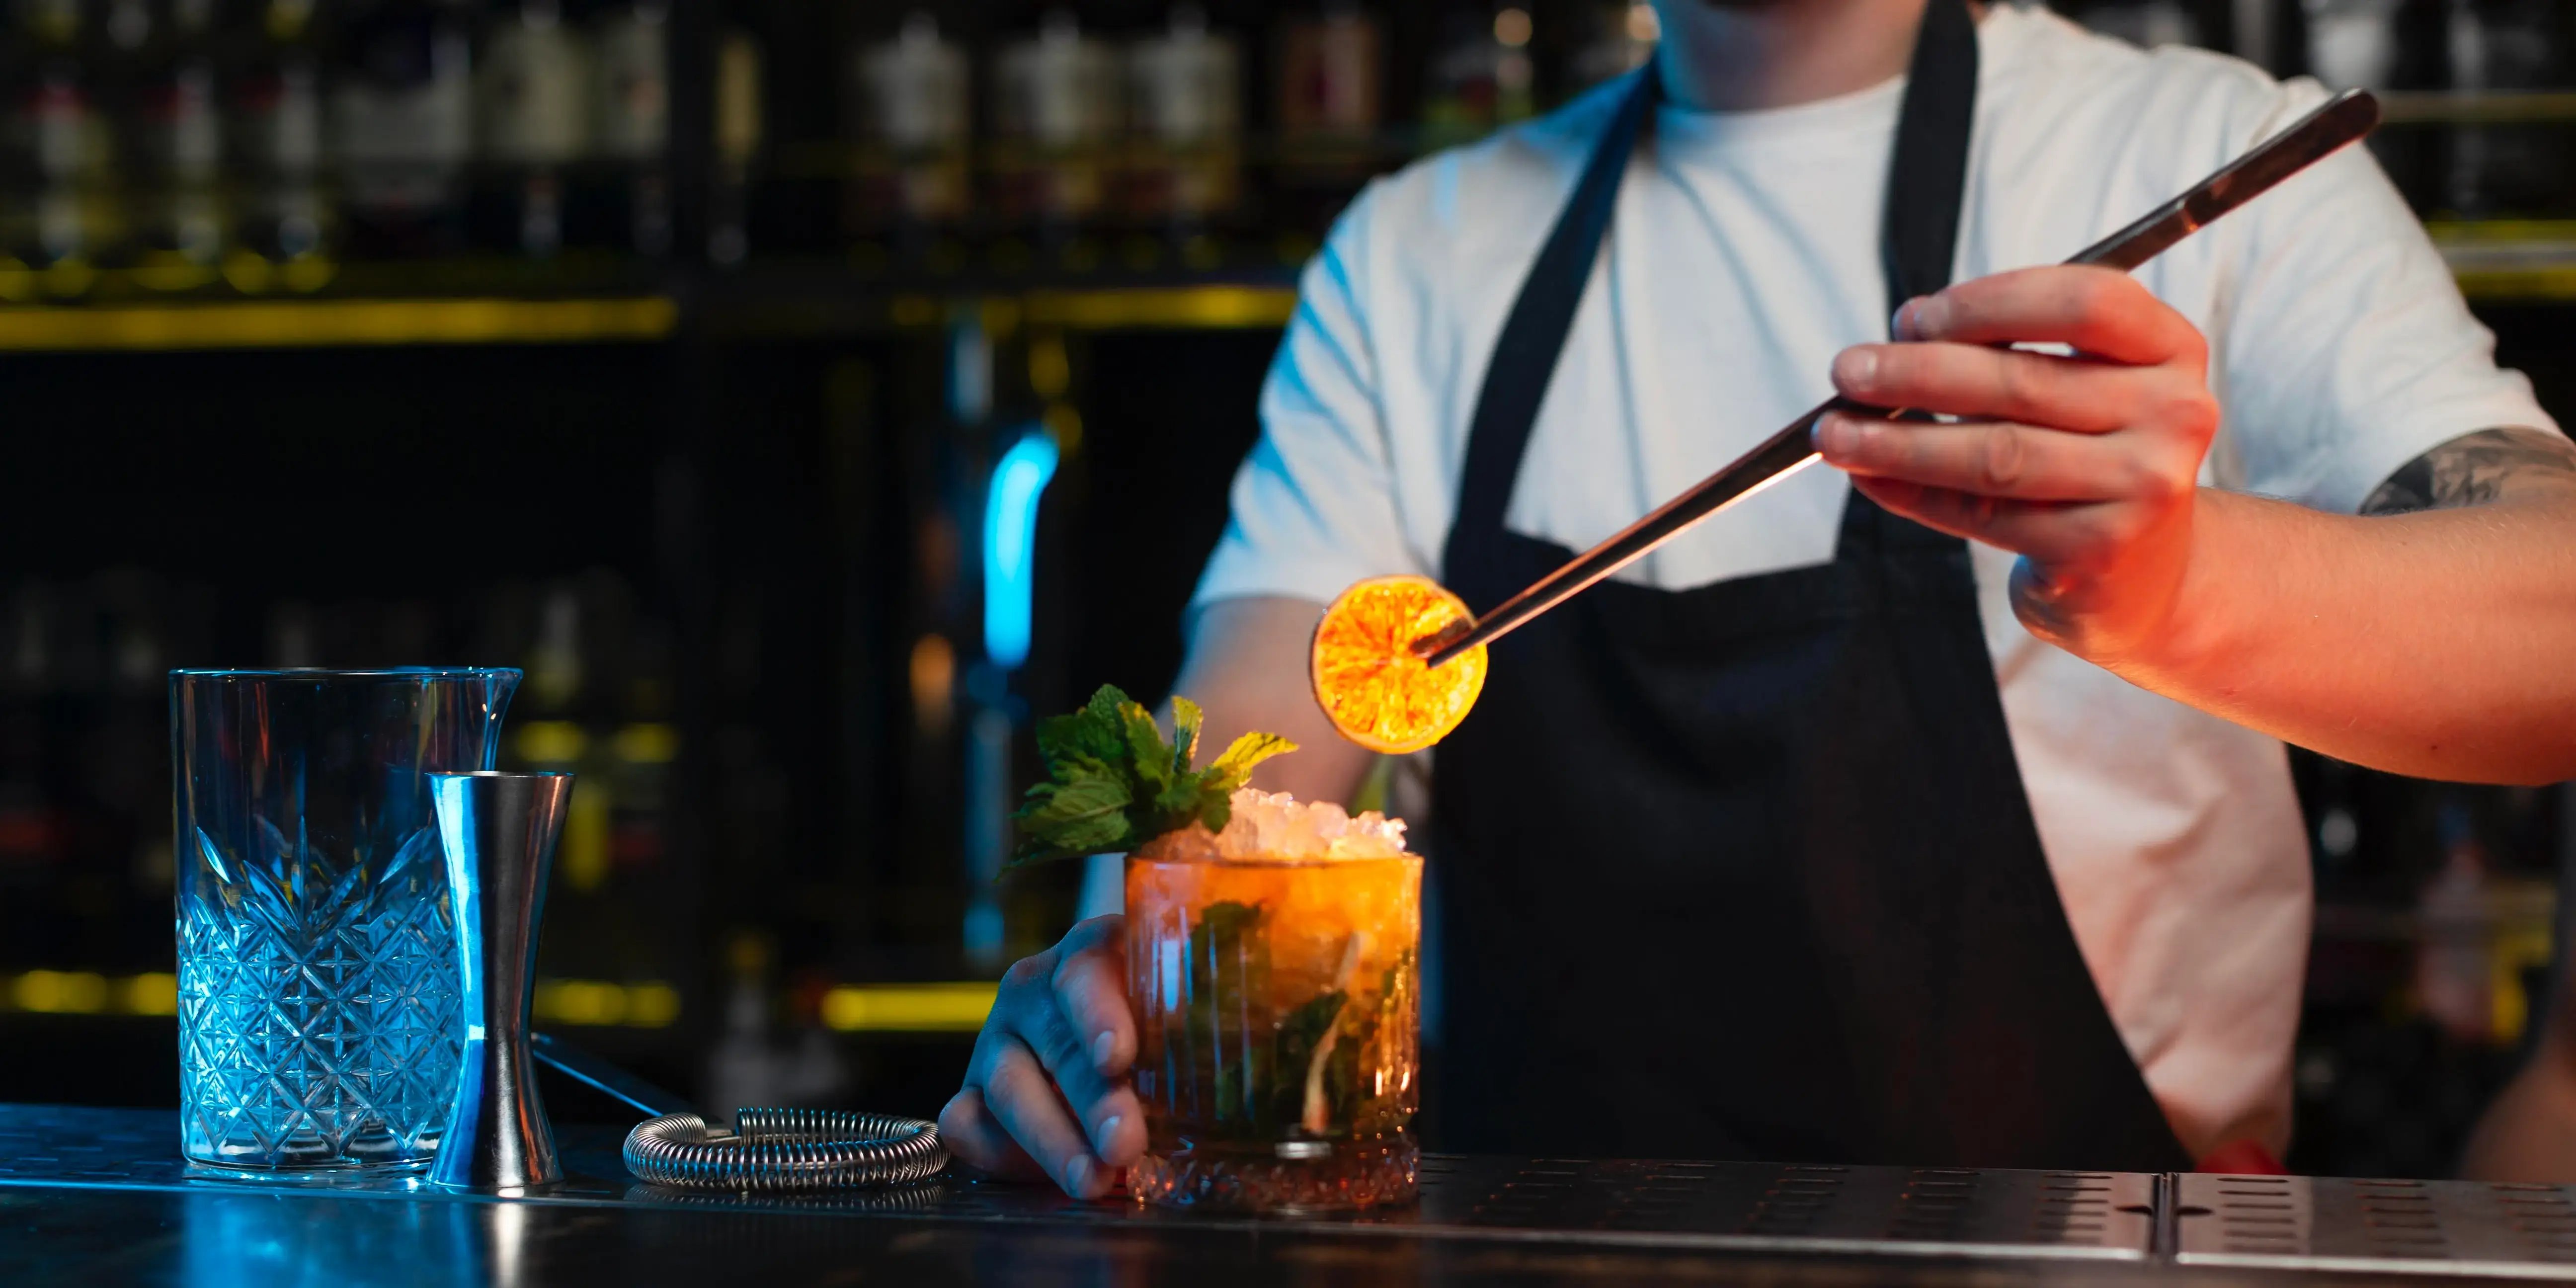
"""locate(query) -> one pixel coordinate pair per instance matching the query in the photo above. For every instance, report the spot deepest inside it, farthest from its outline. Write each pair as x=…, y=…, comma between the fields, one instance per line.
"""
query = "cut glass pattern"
x=318, y=1006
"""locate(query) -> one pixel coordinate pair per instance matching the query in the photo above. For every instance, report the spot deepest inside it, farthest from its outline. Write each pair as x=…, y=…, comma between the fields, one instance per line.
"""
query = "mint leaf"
x=1095, y=732
x=1089, y=797
x=1234, y=768
x=1104, y=704
x=1145, y=748
x=1178, y=805
x=1085, y=814
x=1113, y=782
x=1088, y=836
x=1186, y=720
x=1216, y=808
x=1299, y=1032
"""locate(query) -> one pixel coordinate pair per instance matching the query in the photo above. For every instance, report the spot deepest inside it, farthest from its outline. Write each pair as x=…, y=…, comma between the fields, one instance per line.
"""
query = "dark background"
x=761, y=533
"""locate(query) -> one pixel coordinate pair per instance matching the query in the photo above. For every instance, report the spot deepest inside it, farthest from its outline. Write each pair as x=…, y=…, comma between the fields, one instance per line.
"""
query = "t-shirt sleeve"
x=2348, y=349
x=1314, y=505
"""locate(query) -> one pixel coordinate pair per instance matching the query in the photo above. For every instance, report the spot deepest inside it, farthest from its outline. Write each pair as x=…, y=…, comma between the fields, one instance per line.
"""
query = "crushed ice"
x=1276, y=826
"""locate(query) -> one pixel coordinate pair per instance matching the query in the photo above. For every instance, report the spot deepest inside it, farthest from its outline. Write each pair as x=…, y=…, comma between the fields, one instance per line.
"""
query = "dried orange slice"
x=1367, y=678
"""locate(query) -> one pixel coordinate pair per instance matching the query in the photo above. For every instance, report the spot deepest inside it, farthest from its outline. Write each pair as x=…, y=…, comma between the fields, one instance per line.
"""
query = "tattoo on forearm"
x=2472, y=470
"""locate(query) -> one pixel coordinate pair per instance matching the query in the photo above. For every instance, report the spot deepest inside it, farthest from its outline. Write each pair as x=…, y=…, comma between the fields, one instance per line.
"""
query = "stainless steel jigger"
x=499, y=833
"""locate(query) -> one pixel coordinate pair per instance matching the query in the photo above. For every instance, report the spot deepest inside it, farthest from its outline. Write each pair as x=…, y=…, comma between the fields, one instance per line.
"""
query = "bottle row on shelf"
x=255, y=144
x=165, y=134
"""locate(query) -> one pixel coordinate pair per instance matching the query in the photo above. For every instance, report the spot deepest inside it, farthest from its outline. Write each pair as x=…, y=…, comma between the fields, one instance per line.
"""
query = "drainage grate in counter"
x=2438, y=1227
x=1849, y=1209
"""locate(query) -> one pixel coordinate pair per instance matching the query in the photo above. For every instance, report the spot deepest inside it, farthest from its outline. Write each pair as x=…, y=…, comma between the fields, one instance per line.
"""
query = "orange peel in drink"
x=1369, y=681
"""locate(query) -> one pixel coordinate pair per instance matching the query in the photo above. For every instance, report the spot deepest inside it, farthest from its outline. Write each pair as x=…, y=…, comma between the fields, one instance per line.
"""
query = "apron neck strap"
x=1534, y=332
x=1926, y=177
x=1918, y=236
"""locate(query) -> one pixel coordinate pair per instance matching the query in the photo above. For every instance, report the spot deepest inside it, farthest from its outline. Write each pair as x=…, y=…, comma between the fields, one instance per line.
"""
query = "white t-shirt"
x=1742, y=256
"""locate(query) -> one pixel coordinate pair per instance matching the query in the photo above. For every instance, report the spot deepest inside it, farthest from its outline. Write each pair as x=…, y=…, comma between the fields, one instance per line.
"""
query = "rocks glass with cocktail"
x=1273, y=953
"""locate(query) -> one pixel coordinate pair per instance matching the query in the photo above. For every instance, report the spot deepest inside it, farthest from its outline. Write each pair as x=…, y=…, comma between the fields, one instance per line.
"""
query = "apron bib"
x=1747, y=871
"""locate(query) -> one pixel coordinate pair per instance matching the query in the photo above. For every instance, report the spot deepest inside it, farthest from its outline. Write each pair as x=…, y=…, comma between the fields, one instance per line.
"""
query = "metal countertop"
x=100, y=1196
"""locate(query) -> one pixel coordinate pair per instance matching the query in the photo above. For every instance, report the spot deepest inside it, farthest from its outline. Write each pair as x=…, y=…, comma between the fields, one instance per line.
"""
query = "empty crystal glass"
x=319, y=1026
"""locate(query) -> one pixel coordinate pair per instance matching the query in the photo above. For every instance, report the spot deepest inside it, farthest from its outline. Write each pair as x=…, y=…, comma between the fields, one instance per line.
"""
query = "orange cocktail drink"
x=1276, y=979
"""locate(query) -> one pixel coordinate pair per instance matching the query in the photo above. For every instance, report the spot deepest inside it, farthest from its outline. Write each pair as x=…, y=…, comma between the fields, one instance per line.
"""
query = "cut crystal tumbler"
x=319, y=1026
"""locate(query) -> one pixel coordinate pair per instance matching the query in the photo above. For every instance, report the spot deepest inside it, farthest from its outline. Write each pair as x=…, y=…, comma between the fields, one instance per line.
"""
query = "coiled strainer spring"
x=777, y=1151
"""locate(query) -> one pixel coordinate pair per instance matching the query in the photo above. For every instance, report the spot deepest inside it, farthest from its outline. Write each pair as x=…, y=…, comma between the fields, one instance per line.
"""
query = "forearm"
x=2439, y=643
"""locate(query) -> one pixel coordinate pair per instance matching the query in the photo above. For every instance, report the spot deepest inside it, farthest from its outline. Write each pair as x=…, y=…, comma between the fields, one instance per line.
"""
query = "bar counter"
x=99, y=1196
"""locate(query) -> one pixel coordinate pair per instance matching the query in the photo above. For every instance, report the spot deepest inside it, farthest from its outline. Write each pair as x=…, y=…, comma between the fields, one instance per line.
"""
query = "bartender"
x=1931, y=809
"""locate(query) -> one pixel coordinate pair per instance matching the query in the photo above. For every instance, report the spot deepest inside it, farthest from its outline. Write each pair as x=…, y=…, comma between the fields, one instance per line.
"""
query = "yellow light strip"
x=592, y=1003
x=650, y=1004
x=336, y=323
x=1164, y=307
x=2481, y=232
x=2518, y=284
x=314, y=323
x=80, y=992
x=909, y=1008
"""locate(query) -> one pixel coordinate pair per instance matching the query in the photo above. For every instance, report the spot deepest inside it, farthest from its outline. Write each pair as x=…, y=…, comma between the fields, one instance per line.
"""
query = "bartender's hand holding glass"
x=1046, y=1095
x=2084, y=465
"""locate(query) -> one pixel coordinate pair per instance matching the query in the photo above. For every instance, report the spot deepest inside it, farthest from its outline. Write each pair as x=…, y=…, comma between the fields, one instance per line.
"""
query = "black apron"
x=1746, y=871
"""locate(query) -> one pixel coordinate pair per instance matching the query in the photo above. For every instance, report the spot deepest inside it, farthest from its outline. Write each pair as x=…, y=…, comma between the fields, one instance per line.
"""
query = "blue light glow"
x=1010, y=546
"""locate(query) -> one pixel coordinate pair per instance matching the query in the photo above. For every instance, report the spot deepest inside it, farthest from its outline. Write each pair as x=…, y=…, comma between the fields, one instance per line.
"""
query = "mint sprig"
x=1113, y=783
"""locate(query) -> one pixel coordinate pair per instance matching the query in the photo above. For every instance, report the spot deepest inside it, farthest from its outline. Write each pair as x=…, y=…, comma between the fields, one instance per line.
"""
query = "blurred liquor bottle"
x=642, y=751
x=906, y=104
x=122, y=762
x=2486, y=917
x=1330, y=78
x=402, y=115
x=2271, y=34
x=1621, y=39
x=61, y=150
x=2452, y=981
x=34, y=829
x=1185, y=110
x=178, y=146
x=2352, y=44
x=84, y=775
x=116, y=39
x=632, y=120
x=554, y=734
x=1055, y=119
x=276, y=143
x=597, y=703
x=753, y=1063
x=2386, y=45
x=533, y=109
x=740, y=128
x=1479, y=76
x=2520, y=168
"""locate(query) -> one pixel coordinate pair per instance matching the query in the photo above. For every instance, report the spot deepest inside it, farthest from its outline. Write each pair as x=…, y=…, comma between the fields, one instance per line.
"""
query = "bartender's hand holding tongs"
x=2085, y=465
